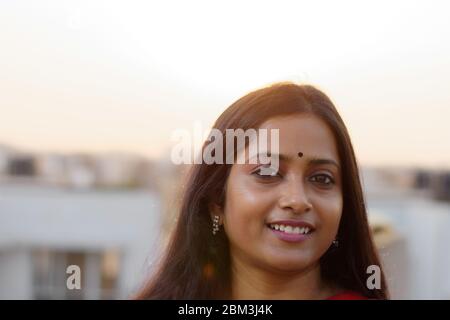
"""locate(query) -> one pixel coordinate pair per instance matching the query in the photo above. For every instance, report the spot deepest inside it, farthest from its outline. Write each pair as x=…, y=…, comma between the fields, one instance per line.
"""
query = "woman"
x=300, y=232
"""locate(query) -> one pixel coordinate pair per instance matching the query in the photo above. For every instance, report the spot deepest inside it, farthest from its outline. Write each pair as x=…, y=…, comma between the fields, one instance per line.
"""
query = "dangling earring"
x=336, y=242
x=215, y=224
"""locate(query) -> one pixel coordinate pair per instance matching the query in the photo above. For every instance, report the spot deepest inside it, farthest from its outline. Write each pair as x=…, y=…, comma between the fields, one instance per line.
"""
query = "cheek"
x=329, y=210
x=245, y=209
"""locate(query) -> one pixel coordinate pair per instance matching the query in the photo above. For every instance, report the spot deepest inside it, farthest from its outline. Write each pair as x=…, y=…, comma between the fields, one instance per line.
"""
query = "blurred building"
x=440, y=184
x=5, y=155
x=78, y=171
x=52, y=169
x=410, y=229
x=122, y=170
x=100, y=212
x=110, y=235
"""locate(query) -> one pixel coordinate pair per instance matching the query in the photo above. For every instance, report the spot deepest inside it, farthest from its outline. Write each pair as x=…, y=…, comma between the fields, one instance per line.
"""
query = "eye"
x=269, y=172
x=323, y=179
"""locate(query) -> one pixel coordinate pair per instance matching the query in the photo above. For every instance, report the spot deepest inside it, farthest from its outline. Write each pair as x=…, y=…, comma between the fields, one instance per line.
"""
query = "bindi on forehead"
x=312, y=160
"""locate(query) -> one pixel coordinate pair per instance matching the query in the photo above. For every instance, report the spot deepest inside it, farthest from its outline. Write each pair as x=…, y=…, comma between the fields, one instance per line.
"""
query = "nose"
x=294, y=197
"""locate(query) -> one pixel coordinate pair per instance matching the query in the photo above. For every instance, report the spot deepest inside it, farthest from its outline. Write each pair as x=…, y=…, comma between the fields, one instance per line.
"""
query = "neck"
x=250, y=282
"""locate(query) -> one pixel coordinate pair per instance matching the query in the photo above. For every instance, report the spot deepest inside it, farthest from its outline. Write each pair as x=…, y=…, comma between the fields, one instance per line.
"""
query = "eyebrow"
x=312, y=161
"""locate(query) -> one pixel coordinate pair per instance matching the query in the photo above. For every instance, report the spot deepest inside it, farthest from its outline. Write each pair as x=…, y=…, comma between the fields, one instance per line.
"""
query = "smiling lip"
x=291, y=237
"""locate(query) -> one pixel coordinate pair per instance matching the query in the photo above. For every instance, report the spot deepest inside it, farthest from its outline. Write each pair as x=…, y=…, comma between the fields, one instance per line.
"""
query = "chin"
x=289, y=264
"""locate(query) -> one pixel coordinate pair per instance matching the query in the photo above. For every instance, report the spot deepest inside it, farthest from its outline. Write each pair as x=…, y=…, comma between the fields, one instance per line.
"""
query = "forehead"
x=304, y=133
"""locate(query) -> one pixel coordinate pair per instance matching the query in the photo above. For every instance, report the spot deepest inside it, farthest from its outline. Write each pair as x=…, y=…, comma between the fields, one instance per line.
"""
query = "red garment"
x=348, y=295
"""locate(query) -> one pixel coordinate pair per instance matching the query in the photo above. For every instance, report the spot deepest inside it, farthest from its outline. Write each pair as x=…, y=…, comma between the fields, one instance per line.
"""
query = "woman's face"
x=304, y=192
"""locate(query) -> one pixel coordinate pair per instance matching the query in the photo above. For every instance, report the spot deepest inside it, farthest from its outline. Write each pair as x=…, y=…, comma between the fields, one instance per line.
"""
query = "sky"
x=100, y=76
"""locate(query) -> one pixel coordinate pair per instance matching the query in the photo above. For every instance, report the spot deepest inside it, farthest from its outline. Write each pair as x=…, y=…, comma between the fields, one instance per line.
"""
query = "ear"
x=216, y=210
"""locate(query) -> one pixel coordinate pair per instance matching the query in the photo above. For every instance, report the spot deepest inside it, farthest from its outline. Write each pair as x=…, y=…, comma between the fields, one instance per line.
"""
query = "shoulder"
x=347, y=295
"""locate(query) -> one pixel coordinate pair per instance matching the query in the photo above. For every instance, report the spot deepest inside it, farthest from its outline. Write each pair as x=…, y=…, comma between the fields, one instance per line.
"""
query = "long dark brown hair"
x=196, y=264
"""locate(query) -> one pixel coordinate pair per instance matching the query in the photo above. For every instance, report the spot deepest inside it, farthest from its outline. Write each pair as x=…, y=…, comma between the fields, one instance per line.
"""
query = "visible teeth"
x=290, y=229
